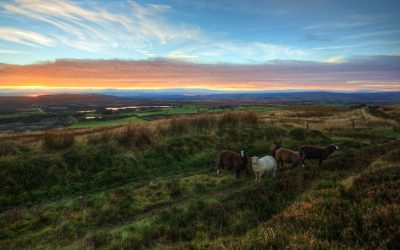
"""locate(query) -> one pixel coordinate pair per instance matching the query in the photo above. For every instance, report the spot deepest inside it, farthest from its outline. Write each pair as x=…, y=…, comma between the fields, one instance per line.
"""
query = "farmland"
x=151, y=183
x=104, y=116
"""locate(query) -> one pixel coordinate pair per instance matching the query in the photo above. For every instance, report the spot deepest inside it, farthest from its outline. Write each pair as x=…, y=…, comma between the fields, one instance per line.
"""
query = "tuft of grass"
x=104, y=137
x=298, y=134
x=137, y=136
x=57, y=140
x=8, y=148
x=210, y=122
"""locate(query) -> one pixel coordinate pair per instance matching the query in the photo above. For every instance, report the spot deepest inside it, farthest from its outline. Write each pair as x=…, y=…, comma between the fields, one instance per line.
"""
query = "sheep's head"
x=332, y=148
x=254, y=160
x=243, y=154
x=276, y=146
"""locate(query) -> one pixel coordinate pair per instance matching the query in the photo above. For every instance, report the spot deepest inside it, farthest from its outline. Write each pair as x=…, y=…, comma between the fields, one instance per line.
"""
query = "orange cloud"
x=162, y=73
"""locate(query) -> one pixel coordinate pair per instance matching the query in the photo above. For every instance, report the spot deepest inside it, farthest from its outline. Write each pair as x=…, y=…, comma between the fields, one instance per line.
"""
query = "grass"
x=193, y=109
x=149, y=187
x=186, y=109
x=141, y=116
x=57, y=140
x=21, y=114
x=113, y=122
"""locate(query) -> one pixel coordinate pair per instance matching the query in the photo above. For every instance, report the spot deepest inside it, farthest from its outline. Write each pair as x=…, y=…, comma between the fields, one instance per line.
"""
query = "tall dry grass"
x=187, y=124
x=137, y=136
x=8, y=147
x=56, y=140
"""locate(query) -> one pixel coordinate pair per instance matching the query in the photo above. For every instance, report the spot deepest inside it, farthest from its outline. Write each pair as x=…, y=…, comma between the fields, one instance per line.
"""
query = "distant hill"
x=319, y=97
x=10, y=103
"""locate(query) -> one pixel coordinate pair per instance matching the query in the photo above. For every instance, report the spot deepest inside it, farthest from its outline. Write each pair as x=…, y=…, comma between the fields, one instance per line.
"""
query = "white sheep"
x=261, y=165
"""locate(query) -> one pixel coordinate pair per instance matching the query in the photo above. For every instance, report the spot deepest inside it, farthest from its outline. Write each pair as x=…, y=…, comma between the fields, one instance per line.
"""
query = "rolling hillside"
x=155, y=186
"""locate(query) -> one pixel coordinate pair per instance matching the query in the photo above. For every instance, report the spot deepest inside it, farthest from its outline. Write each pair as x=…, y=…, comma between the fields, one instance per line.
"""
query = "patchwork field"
x=154, y=184
x=160, y=113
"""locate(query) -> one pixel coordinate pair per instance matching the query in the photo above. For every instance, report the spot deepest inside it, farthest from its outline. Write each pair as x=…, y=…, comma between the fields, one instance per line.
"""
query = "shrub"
x=30, y=172
x=381, y=227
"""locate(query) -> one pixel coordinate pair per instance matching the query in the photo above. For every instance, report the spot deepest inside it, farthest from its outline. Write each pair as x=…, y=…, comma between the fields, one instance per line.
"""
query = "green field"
x=21, y=114
x=136, y=116
x=144, y=188
x=113, y=122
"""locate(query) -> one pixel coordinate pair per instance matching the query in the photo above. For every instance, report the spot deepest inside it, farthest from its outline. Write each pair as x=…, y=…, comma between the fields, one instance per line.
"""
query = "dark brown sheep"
x=284, y=155
x=274, y=147
x=317, y=153
x=232, y=160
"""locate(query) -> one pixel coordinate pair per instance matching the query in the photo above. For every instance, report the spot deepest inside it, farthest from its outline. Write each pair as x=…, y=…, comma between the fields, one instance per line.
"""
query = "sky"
x=229, y=44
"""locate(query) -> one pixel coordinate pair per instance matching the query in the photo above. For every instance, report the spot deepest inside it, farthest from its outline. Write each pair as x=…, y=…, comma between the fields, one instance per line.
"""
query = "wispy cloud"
x=92, y=28
x=10, y=51
x=181, y=55
x=239, y=51
x=349, y=21
x=24, y=37
x=335, y=59
x=373, y=33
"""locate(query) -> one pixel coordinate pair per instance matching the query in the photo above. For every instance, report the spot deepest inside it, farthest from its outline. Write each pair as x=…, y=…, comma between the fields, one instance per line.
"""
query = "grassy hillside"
x=141, y=116
x=143, y=187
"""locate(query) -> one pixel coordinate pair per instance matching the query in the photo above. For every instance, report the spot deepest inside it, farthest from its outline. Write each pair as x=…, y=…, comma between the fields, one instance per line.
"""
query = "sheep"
x=317, y=153
x=261, y=165
x=274, y=147
x=232, y=160
x=284, y=155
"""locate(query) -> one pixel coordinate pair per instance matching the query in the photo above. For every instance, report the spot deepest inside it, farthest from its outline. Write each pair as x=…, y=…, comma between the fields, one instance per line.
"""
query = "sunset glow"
x=225, y=45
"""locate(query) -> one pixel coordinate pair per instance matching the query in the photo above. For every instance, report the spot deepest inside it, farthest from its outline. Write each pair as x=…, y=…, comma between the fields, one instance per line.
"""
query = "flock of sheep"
x=238, y=161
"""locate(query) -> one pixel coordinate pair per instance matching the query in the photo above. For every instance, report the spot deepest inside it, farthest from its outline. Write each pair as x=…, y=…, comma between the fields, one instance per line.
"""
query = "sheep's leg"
x=274, y=173
x=303, y=160
x=320, y=162
x=256, y=178
x=217, y=171
x=237, y=174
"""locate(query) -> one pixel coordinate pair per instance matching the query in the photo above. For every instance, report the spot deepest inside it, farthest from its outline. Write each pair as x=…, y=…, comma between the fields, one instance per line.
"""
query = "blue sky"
x=229, y=31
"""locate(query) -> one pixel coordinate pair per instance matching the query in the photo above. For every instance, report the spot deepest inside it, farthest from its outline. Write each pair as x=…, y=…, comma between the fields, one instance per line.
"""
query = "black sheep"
x=317, y=153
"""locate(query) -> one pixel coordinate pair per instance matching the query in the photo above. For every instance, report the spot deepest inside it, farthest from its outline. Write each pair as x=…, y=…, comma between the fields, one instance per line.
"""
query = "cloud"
x=139, y=28
x=24, y=37
x=374, y=33
x=9, y=51
x=93, y=29
x=210, y=50
x=347, y=21
x=351, y=74
x=181, y=55
x=335, y=59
